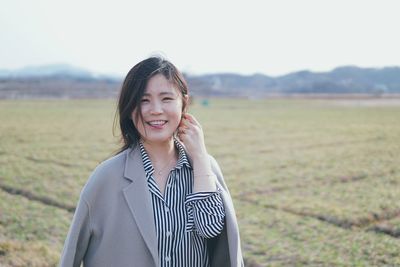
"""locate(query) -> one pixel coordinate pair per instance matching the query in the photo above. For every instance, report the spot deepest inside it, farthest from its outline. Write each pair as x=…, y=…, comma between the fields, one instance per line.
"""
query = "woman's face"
x=161, y=107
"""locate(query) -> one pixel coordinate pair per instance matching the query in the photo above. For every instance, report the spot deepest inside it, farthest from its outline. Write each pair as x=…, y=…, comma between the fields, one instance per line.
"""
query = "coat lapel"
x=138, y=198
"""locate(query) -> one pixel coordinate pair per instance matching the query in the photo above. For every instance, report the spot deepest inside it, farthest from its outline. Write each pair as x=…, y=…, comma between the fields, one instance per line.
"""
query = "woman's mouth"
x=157, y=124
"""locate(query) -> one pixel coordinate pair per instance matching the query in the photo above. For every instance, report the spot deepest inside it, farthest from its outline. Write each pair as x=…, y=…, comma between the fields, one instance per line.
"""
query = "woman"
x=162, y=200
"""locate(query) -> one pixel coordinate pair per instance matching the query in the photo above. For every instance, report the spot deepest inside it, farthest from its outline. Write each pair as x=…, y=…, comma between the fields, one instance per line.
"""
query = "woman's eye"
x=144, y=100
x=167, y=99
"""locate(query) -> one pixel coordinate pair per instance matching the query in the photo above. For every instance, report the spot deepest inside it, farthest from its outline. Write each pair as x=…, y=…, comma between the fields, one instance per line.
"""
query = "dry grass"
x=315, y=183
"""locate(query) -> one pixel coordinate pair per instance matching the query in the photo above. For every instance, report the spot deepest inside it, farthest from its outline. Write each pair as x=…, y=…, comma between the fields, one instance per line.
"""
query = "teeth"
x=156, y=122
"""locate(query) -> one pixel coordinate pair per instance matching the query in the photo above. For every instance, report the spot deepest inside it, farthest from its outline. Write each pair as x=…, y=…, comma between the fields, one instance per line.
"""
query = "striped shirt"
x=183, y=220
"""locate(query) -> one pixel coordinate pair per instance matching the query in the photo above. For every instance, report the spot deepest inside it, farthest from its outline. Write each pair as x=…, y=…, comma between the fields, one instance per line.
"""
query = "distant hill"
x=57, y=71
x=342, y=80
x=56, y=81
x=65, y=81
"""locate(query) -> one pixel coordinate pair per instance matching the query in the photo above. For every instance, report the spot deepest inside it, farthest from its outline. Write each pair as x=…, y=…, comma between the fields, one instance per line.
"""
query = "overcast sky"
x=269, y=37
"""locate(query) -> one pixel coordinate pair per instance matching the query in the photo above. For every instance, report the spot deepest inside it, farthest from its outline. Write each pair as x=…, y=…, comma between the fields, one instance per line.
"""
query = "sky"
x=272, y=37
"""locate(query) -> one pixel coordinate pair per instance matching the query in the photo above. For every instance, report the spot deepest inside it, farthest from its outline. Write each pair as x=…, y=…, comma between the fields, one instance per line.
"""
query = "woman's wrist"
x=199, y=156
x=204, y=176
x=201, y=165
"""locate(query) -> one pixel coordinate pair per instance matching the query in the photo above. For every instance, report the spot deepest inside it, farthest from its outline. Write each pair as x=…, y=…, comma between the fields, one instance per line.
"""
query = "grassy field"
x=314, y=182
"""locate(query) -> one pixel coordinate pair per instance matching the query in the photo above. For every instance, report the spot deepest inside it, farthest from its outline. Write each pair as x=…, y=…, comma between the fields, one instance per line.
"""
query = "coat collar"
x=138, y=198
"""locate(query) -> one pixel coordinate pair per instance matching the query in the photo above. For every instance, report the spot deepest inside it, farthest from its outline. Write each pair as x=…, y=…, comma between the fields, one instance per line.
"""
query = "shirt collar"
x=182, y=158
x=148, y=167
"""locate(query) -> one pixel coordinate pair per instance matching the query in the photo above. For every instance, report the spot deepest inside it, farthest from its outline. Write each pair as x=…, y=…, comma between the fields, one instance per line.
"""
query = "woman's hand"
x=192, y=137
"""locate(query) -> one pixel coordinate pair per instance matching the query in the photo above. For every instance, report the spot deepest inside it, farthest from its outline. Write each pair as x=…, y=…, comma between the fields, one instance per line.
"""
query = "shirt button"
x=169, y=233
x=168, y=185
x=167, y=258
x=166, y=209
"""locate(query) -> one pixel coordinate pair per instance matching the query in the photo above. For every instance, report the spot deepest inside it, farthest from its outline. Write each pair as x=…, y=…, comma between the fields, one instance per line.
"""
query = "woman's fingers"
x=186, y=123
x=189, y=130
x=191, y=135
x=191, y=119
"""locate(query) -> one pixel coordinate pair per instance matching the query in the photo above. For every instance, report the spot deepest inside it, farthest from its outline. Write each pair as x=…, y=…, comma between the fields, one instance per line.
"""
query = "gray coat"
x=113, y=223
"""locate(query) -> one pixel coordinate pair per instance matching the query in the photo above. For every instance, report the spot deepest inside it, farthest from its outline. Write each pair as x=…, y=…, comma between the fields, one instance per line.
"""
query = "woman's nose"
x=156, y=108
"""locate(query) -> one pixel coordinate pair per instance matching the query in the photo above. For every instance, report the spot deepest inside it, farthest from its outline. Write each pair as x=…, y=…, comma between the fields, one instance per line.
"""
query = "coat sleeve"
x=217, y=170
x=231, y=240
x=78, y=236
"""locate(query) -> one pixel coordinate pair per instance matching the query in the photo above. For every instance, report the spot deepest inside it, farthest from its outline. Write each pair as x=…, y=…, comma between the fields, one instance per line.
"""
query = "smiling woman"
x=161, y=200
x=161, y=110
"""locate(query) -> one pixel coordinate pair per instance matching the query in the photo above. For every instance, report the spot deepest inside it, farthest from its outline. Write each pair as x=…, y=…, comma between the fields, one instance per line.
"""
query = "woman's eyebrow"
x=166, y=93
x=161, y=93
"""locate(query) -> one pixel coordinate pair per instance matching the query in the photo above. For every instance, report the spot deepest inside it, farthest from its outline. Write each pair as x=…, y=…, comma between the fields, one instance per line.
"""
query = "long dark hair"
x=132, y=91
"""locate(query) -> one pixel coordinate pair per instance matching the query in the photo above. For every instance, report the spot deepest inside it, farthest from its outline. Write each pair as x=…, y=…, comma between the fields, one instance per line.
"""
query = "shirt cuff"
x=200, y=195
x=206, y=213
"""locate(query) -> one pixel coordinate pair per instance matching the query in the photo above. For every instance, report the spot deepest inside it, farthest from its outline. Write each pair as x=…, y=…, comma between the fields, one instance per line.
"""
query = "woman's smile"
x=157, y=124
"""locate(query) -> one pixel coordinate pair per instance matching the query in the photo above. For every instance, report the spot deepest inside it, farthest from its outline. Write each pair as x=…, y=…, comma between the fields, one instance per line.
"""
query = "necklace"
x=163, y=168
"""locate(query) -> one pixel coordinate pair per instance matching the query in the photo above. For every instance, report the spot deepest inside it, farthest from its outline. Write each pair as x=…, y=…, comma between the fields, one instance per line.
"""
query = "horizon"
x=76, y=67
